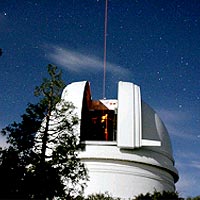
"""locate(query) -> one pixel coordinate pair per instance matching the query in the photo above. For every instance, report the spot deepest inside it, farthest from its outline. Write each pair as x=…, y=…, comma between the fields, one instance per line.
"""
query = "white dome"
x=128, y=151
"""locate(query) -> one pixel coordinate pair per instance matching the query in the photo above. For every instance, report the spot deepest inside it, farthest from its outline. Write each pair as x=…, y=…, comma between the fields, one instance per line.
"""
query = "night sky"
x=154, y=44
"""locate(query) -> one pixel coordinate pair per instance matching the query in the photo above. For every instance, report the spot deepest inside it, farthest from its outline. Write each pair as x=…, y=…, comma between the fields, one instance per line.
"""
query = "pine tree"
x=19, y=154
x=47, y=145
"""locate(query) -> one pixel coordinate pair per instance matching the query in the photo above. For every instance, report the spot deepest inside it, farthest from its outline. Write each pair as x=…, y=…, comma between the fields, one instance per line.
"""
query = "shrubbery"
x=148, y=196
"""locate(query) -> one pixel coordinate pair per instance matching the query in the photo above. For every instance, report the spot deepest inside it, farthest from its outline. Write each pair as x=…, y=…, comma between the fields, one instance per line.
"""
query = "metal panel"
x=137, y=116
x=129, y=115
x=74, y=93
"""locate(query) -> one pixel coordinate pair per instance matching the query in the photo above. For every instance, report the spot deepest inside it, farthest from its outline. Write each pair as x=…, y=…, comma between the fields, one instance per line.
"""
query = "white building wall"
x=124, y=174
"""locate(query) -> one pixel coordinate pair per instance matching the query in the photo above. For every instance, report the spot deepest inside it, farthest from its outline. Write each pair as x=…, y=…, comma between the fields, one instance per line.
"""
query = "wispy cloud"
x=195, y=164
x=192, y=163
x=3, y=142
x=187, y=185
x=188, y=154
x=171, y=115
x=179, y=125
x=77, y=62
x=2, y=138
x=189, y=176
x=176, y=121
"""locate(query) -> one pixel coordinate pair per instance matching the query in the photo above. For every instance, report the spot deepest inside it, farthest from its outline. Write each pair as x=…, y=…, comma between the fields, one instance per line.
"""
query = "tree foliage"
x=101, y=196
x=194, y=198
x=19, y=154
x=44, y=147
x=165, y=195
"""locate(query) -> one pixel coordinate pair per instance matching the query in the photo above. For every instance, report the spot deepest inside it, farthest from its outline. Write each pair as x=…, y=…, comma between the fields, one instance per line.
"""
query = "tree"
x=46, y=145
x=57, y=140
x=19, y=154
x=194, y=198
x=101, y=196
x=165, y=195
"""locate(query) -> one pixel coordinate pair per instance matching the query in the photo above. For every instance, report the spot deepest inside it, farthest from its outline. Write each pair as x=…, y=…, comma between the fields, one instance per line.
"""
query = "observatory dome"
x=127, y=149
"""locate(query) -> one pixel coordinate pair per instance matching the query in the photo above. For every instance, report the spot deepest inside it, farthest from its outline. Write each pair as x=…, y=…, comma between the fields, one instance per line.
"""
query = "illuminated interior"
x=99, y=119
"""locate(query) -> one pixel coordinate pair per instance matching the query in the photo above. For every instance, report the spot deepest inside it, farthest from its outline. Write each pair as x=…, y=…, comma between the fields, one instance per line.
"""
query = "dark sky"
x=154, y=44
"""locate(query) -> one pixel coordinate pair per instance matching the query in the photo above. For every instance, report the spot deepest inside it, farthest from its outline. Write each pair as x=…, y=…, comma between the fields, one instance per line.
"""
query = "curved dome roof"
x=154, y=129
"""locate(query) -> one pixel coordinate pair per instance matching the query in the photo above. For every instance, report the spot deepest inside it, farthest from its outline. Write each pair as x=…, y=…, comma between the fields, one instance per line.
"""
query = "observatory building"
x=127, y=149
